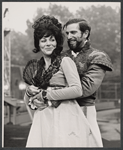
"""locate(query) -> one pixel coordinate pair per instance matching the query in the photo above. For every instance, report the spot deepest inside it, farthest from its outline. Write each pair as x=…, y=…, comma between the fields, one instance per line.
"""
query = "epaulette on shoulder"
x=101, y=58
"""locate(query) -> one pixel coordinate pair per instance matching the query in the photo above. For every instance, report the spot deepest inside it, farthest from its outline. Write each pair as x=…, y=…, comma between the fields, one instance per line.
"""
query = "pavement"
x=108, y=120
x=109, y=123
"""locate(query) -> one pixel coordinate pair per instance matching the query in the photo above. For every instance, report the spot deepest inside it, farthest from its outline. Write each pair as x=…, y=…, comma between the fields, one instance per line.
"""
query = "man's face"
x=74, y=36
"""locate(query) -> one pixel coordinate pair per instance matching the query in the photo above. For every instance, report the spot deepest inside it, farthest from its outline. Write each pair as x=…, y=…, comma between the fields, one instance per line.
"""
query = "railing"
x=109, y=92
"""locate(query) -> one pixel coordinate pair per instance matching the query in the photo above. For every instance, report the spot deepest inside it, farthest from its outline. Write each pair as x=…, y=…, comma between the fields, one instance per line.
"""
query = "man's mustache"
x=70, y=40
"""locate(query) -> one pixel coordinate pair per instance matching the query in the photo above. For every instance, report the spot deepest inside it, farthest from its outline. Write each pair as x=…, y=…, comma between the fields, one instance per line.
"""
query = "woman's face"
x=47, y=44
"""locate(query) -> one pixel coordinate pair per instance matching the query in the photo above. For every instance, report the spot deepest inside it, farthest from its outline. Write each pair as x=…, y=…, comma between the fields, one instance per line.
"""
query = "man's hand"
x=39, y=104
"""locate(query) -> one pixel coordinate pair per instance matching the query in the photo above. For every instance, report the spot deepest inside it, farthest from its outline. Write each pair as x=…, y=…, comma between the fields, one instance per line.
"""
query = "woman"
x=60, y=124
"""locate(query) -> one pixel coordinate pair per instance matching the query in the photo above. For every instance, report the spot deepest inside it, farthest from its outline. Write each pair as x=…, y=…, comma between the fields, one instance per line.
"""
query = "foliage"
x=18, y=42
x=60, y=12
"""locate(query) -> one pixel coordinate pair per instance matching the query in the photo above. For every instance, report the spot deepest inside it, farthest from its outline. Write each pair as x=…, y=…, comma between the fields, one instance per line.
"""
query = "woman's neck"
x=47, y=61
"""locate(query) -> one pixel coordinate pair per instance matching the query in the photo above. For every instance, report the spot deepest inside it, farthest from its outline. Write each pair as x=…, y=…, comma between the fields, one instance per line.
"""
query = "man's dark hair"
x=48, y=26
x=83, y=25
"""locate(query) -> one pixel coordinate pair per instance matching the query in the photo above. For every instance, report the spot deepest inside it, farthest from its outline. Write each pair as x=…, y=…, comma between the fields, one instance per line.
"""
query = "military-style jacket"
x=92, y=65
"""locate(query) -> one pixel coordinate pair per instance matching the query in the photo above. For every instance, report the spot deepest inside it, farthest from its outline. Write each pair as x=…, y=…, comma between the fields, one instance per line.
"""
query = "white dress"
x=66, y=125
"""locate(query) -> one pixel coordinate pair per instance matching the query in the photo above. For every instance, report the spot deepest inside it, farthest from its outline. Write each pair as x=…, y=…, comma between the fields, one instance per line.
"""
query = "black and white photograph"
x=61, y=73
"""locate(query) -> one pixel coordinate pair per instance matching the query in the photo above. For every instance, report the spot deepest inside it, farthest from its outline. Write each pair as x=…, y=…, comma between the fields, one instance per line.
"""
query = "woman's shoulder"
x=66, y=59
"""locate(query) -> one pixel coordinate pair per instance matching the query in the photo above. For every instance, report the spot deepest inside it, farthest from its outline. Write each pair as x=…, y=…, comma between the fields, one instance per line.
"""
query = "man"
x=92, y=65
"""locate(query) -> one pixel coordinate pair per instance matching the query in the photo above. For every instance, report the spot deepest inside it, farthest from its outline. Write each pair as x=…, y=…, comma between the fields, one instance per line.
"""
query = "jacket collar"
x=86, y=47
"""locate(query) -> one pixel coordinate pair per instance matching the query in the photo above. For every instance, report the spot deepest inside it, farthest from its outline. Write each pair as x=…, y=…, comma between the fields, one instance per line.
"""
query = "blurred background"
x=17, y=19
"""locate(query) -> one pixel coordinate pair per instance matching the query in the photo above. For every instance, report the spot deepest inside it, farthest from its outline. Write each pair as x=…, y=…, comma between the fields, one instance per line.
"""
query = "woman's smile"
x=49, y=48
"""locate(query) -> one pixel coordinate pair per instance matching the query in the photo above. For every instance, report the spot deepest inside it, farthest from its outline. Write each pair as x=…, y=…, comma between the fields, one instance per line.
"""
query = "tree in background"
x=18, y=48
x=62, y=13
x=105, y=23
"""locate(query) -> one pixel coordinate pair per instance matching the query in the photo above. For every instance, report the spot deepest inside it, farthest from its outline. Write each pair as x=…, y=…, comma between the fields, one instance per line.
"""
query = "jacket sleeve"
x=92, y=79
x=74, y=88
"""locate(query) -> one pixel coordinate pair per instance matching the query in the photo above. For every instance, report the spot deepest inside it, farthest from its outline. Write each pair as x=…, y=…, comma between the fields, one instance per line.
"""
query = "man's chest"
x=82, y=63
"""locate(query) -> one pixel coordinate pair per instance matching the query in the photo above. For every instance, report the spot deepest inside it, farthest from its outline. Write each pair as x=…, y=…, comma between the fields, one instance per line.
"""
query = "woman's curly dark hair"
x=48, y=25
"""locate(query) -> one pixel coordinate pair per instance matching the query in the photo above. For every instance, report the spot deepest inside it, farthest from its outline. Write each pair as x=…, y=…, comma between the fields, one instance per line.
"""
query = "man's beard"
x=75, y=46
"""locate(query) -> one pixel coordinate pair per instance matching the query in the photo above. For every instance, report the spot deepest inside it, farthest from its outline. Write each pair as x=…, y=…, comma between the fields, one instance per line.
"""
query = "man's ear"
x=85, y=34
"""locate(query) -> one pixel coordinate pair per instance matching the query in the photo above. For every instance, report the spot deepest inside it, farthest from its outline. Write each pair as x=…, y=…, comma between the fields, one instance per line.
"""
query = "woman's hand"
x=32, y=90
x=38, y=101
x=38, y=97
